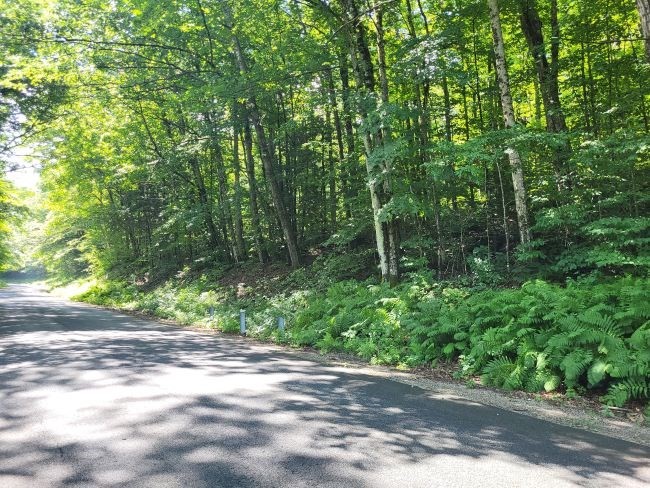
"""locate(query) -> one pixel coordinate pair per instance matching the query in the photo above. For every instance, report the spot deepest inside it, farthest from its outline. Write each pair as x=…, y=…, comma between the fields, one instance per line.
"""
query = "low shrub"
x=540, y=336
x=588, y=334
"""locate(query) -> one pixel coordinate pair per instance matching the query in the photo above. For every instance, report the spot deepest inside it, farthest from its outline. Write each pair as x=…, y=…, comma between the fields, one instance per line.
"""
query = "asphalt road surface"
x=92, y=398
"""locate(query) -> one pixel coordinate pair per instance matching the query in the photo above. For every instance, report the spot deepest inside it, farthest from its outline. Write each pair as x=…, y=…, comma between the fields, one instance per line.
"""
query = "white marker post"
x=242, y=322
x=281, y=324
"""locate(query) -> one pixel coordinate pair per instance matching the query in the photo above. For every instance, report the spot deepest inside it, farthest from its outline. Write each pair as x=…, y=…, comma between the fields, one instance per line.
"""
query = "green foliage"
x=5, y=207
x=602, y=230
x=163, y=159
x=332, y=267
x=538, y=337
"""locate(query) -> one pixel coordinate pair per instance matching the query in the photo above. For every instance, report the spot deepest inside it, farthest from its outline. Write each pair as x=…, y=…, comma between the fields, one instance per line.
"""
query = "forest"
x=409, y=181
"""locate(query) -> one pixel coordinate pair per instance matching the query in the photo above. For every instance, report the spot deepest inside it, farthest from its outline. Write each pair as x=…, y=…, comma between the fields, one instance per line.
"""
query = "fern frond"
x=574, y=364
x=627, y=389
x=497, y=371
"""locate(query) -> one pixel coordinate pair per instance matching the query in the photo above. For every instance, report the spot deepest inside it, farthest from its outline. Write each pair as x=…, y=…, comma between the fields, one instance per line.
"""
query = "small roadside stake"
x=211, y=313
x=242, y=322
x=281, y=324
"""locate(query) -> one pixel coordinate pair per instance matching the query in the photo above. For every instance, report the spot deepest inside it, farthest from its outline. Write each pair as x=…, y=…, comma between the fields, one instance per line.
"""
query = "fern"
x=499, y=371
x=622, y=391
x=541, y=336
x=597, y=372
x=574, y=364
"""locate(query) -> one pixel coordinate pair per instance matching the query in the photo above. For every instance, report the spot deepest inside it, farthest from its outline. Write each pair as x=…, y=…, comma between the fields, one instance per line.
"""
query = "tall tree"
x=174, y=138
x=547, y=76
x=267, y=152
x=517, y=172
x=378, y=171
x=643, y=7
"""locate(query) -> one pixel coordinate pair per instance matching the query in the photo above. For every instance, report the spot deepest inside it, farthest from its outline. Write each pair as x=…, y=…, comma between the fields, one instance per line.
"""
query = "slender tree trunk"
x=224, y=207
x=329, y=173
x=239, y=226
x=644, y=13
x=352, y=162
x=363, y=69
x=592, y=93
x=331, y=177
x=252, y=193
x=267, y=155
x=386, y=136
x=448, y=138
x=477, y=78
x=344, y=172
x=465, y=112
x=547, y=73
x=521, y=205
x=583, y=77
x=267, y=152
x=504, y=216
x=224, y=204
x=547, y=77
x=422, y=122
x=204, y=201
x=381, y=51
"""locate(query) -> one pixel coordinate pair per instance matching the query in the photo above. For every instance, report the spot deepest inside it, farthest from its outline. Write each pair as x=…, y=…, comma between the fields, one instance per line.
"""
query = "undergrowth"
x=587, y=335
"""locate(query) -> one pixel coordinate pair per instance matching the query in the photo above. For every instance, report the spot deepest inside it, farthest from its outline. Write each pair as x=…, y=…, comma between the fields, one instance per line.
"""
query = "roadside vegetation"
x=408, y=182
x=588, y=335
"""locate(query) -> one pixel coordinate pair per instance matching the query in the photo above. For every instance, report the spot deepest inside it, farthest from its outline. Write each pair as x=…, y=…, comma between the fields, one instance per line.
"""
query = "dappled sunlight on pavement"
x=94, y=398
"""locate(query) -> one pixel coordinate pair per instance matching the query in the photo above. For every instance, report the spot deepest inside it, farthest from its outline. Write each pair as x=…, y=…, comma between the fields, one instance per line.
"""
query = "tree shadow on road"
x=91, y=398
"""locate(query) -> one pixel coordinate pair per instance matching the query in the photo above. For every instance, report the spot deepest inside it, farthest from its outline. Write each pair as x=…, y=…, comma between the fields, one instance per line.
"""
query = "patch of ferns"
x=599, y=339
x=539, y=337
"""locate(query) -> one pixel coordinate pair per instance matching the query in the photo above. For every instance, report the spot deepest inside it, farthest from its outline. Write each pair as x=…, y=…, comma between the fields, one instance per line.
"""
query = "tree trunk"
x=547, y=76
x=644, y=13
x=225, y=210
x=252, y=193
x=204, y=201
x=421, y=122
x=363, y=70
x=224, y=202
x=547, y=73
x=331, y=168
x=353, y=168
x=345, y=173
x=521, y=205
x=386, y=136
x=239, y=227
x=267, y=153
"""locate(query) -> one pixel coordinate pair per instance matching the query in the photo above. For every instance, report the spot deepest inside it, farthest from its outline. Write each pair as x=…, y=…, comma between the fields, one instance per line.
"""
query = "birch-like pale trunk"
x=391, y=225
x=509, y=119
x=363, y=70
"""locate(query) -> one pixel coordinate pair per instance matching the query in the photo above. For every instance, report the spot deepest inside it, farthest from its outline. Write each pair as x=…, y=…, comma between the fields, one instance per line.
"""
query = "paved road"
x=91, y=398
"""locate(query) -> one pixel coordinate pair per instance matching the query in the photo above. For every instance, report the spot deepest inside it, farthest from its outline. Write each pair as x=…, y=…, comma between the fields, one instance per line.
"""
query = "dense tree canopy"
x=211, y=131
